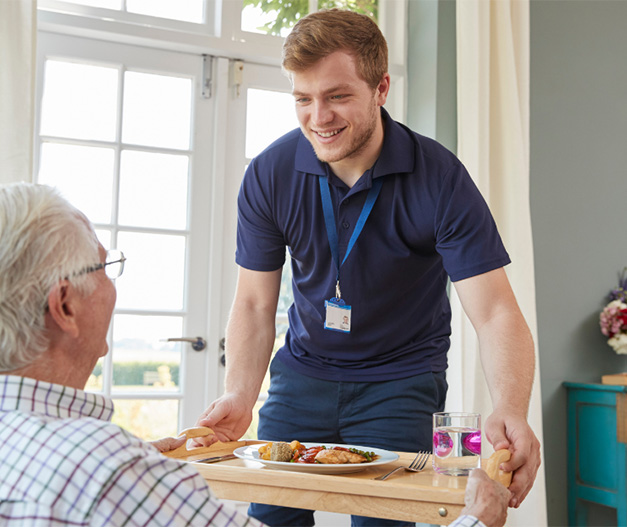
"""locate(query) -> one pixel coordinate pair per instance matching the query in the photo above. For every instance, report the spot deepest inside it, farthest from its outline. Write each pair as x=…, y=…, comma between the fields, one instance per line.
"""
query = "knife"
x=213, y=459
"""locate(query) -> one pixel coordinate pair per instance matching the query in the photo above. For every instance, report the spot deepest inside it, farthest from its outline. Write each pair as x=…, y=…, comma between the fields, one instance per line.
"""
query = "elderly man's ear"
x=63, y=305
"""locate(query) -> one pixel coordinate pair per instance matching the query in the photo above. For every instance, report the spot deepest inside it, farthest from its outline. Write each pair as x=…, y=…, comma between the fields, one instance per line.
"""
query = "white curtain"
x=493, y=143
x=18, y=44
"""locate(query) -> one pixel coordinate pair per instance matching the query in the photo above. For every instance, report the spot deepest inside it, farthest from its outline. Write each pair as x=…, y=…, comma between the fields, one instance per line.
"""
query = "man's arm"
x=508, y=359
x=250, y=335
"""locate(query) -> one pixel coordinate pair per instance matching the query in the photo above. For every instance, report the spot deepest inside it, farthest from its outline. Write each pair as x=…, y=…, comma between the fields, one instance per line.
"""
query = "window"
x=271, y=18
x=186, y=10
x=116, y=139
x=268, y=114
x=151, y=142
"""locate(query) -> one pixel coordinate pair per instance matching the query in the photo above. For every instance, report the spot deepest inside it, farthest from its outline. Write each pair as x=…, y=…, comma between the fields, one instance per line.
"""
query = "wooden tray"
x=417, y=497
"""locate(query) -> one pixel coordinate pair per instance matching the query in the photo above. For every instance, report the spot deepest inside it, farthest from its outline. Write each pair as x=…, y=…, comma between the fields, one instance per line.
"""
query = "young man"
x=376, y=218
x=62, y=461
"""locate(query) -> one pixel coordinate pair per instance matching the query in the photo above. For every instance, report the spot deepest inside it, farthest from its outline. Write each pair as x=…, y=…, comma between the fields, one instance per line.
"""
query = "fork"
x=418, y=464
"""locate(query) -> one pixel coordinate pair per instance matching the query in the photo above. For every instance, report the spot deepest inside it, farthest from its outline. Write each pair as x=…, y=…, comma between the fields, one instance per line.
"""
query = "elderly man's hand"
x=168, y=443
x=486, y=499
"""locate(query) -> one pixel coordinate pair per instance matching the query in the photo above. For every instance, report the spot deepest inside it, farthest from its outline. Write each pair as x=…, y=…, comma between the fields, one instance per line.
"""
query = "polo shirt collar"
x=396, y=157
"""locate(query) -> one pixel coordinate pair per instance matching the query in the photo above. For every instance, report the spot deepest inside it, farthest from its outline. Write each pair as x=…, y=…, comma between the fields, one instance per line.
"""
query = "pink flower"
x=613, y=319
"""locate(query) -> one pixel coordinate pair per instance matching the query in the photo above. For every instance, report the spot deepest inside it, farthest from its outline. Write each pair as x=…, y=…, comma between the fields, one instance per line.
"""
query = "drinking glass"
x=456, y=443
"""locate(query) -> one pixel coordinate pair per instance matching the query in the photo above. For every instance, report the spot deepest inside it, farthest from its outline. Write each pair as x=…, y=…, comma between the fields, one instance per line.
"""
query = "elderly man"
x=62, y=461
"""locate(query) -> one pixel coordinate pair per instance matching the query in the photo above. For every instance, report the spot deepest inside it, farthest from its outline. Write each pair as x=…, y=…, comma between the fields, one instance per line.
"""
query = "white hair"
x=43, y=239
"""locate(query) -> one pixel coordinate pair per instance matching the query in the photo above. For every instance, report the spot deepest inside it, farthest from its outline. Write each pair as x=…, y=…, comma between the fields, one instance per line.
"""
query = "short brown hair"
x=324, y=32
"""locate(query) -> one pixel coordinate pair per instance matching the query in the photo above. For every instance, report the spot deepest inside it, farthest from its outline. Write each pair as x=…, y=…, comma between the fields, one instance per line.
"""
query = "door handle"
x=198, y=343
x=223, y=353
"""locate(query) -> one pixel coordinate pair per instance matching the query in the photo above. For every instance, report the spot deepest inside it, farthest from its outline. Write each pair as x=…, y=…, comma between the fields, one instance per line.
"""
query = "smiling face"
x=339, y=113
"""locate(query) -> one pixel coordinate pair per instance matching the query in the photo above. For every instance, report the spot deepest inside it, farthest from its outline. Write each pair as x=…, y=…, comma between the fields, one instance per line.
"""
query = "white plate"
x=251, y=453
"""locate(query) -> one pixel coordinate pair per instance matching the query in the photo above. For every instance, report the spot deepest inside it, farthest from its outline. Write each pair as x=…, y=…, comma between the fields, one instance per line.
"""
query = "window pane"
x=148, y=419
x=157, y=110
x=365, y=7
x=153, y=190
x=83, y=174
x=104, y=237
x=279, y=340
x=153, y=273
x=263, y=17
x=278, y=18
x=95, y=381
x=286, y=295
x=79, y=101
x=186, y=10
x=269, y=115
x=108, y=4
x=142, y=361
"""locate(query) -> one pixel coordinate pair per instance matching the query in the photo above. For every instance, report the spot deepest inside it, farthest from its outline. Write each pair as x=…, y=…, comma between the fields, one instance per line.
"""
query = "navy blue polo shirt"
x=429, y=223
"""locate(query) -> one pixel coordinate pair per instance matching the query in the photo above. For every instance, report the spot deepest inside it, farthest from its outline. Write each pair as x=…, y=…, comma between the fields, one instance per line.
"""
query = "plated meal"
x=296, y=452
x=337, y=457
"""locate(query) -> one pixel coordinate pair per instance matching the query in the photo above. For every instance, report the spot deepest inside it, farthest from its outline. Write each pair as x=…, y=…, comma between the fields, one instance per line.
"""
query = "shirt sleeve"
x=260, y=243
x=157, y=491
x=467, y=521
x=467, y=237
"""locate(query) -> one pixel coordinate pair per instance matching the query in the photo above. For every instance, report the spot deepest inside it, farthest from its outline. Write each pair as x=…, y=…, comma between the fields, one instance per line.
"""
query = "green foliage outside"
x=288, y=12
x=132, y=373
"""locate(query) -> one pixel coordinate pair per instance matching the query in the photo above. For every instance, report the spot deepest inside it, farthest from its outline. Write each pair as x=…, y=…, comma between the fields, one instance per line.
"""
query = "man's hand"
x=486, y=499
x=228, y=416
x=168, y=443
x=504, y=430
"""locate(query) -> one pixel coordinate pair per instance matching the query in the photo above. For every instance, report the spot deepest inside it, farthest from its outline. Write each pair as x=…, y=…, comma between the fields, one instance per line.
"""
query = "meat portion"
x=338, y=457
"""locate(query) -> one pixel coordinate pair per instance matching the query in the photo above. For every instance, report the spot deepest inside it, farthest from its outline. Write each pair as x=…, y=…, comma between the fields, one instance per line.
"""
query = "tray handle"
x=493, y=467
x=191, y=433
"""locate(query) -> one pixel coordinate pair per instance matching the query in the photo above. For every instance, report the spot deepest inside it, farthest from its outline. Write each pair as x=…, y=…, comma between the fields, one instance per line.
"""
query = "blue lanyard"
x=329, y=219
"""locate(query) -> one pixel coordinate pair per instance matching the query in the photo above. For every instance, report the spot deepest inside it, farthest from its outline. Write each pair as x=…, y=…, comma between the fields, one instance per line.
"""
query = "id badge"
x=338, y=315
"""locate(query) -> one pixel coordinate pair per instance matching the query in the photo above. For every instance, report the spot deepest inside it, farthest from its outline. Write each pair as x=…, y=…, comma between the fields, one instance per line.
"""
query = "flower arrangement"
x=613, y=318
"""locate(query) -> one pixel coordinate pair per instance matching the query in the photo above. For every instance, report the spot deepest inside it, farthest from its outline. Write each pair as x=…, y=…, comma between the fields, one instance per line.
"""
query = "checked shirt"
x=63, y=463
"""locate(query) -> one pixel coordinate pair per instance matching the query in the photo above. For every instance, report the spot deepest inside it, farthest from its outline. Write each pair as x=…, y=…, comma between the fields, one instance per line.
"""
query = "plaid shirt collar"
x=54, y=400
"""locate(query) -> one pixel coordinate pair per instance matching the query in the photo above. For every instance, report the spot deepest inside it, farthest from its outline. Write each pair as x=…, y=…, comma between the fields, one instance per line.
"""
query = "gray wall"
x=578, y=203
x=578, y=186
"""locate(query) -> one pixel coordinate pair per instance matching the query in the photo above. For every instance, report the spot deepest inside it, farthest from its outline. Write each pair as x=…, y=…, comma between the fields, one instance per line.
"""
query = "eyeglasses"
x=113, y=265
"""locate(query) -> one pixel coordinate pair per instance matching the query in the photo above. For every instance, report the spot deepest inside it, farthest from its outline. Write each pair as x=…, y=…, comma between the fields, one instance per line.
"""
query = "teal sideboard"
x=597, y=437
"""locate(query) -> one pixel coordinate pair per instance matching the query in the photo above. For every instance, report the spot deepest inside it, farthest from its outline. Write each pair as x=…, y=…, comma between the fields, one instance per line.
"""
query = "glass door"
x=261, y=110
x=126, y=136
x=151, y=142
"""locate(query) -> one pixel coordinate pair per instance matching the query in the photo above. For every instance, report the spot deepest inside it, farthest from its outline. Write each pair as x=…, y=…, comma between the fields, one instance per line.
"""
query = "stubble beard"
x=356, y=146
